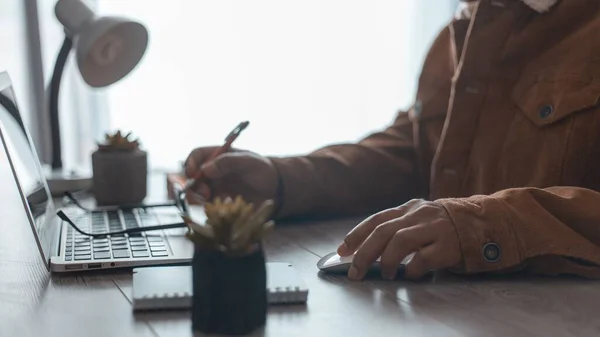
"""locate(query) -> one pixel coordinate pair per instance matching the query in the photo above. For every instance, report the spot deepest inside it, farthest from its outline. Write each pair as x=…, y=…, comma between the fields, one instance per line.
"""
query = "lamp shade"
x=107, y=48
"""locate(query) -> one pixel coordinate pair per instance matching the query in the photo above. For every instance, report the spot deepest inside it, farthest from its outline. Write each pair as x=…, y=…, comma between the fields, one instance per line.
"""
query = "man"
x=499, y=156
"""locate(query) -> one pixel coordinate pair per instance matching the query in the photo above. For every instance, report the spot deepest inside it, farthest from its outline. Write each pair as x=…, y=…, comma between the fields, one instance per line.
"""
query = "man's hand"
x=234, y=173
x=419, y=226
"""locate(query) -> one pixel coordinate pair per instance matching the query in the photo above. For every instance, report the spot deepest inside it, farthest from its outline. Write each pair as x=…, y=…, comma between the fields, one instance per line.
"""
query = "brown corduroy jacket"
x=504, y=132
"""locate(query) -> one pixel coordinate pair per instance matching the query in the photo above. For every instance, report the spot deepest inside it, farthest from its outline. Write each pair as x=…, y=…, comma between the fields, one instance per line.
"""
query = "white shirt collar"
x=540, y=6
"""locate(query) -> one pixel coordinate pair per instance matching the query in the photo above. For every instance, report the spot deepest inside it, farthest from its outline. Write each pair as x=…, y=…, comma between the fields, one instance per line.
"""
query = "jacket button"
x=491, y=252
x=546, y=111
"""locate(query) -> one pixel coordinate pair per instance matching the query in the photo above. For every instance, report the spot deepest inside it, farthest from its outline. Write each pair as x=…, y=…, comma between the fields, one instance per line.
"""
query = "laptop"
x=65, y=249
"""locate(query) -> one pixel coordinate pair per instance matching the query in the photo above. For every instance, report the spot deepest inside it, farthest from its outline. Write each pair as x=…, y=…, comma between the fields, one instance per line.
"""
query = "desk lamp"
x=107, y=49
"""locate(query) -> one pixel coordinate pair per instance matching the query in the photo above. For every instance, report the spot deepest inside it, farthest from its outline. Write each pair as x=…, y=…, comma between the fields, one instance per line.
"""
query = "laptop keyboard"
x=137, y=245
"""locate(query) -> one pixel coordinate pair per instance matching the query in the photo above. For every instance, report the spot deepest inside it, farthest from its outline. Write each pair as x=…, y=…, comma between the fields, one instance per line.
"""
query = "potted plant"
x=229, y=270
x=120, y=170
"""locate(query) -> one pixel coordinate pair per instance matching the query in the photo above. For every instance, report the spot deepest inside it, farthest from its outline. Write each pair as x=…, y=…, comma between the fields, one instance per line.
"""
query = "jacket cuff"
x=290, y=179
x=486, y=235
x=279, y=193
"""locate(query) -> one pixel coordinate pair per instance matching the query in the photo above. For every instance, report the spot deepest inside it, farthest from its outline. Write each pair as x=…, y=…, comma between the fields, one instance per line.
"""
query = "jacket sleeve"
x=349, y=179
x=378, y=172
x=548, y=231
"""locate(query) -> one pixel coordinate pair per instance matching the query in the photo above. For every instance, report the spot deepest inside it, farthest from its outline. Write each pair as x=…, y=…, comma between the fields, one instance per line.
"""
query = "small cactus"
x=117, y=141
x=232, y=226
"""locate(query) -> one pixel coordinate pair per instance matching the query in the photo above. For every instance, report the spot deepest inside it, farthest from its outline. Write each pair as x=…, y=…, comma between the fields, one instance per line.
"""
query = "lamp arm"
x=59, y=67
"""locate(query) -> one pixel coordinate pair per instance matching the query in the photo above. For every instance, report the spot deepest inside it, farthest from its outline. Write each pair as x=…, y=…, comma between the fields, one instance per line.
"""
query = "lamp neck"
x=59, y=67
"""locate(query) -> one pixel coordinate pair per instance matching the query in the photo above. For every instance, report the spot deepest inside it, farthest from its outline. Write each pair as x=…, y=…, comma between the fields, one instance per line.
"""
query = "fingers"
x=204, y=191
x=190, y=167
x=195, y=160
x=200, y=193
x=428, y=258
x=225, y=165
x=405, y=242
x=405, y=232
x=358, y=234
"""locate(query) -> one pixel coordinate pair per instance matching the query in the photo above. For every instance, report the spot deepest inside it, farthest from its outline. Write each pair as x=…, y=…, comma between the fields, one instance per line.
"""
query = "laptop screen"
x=26, y=166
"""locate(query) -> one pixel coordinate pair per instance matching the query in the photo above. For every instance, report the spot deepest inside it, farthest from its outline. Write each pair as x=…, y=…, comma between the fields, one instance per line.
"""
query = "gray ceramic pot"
x=120, y=176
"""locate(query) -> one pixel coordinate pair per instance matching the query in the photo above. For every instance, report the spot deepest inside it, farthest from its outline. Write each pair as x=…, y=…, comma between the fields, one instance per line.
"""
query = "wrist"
x=279, y=191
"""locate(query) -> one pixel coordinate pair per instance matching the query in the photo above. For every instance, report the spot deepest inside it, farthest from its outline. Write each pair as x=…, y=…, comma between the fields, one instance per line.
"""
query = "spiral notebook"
x=157, y=288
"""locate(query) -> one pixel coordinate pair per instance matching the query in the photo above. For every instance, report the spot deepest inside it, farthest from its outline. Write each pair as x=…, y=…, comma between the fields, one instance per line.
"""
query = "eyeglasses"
x=180, y=203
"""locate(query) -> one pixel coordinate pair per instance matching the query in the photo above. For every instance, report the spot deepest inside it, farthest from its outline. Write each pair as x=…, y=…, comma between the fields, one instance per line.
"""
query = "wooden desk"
x=34, y=303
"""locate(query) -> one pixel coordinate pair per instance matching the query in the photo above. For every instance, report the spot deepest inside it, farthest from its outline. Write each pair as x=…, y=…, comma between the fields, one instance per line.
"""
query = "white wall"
x=306, y=73
x=13, y=51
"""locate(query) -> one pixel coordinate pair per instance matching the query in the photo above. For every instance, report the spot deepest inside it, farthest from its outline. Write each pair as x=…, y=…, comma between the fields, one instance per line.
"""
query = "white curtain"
x=13, y=52
x=304, y=73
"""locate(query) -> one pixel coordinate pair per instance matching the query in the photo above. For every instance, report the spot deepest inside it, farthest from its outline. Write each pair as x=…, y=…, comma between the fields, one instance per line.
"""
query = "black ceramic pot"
x=229, y=292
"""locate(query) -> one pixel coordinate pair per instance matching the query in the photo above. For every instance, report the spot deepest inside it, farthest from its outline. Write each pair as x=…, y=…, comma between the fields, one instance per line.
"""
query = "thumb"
x=421, y=263
x=225, y=164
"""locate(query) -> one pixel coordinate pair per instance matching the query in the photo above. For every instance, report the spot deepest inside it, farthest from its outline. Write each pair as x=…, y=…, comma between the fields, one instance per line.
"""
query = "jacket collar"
x=540, y=6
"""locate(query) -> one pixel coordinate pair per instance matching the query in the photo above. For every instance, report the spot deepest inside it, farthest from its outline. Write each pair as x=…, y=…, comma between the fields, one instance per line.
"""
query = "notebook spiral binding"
x=170, y=287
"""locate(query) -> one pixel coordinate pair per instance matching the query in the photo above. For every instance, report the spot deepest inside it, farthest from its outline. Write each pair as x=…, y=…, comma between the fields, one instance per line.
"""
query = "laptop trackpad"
x=182, y=247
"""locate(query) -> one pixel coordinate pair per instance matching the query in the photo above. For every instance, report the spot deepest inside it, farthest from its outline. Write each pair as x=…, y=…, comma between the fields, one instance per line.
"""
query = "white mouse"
x=333, y=263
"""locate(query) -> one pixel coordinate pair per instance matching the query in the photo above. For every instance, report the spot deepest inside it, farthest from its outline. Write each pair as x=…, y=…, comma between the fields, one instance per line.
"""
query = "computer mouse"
x=333, y=263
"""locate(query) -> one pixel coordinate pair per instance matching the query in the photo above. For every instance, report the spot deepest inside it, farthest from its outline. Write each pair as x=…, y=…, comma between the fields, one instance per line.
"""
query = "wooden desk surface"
x=35, y=303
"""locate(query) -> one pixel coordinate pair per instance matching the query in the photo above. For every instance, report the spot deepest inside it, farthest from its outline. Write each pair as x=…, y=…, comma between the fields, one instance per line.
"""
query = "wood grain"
x=35, y=303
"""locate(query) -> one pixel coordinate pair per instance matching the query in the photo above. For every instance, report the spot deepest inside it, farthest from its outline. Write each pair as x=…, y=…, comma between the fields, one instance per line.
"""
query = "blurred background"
x=305, y=73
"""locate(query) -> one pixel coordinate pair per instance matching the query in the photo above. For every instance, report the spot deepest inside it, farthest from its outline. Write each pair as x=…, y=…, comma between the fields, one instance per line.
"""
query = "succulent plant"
x=118, y=141
x=234, y=227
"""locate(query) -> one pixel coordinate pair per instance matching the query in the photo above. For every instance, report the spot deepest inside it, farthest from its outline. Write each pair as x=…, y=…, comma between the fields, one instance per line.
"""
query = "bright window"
x=304, y=73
